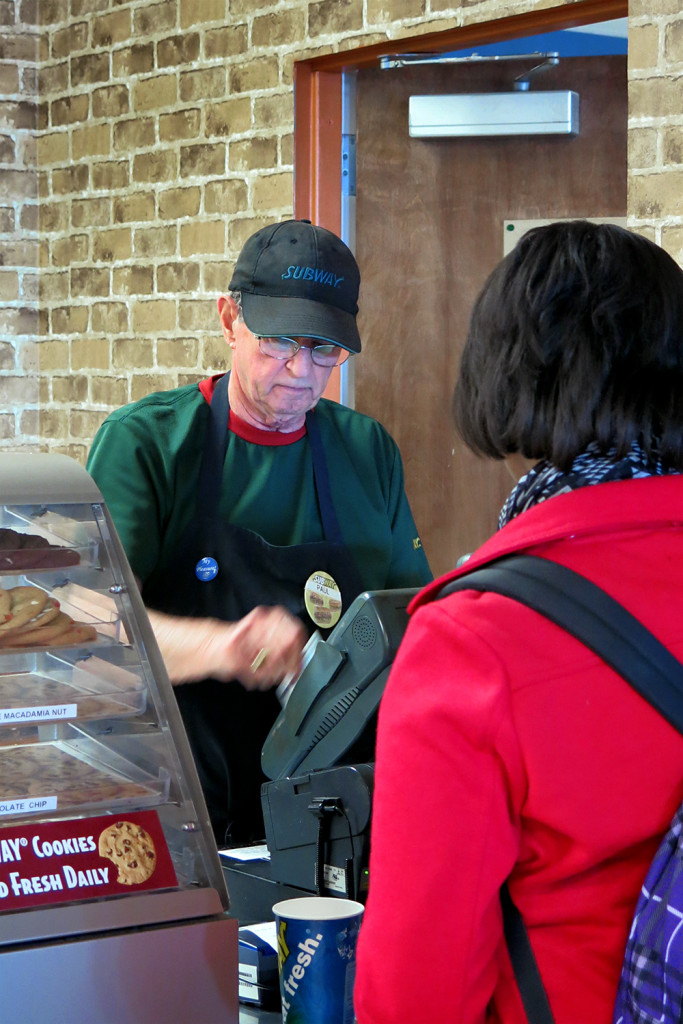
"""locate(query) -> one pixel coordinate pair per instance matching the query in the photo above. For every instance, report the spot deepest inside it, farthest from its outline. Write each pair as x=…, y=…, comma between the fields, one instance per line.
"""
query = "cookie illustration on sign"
x=131, y=849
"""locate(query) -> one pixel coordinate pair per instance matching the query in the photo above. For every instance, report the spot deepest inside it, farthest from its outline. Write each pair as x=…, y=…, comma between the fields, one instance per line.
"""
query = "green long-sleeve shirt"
x=146, y=458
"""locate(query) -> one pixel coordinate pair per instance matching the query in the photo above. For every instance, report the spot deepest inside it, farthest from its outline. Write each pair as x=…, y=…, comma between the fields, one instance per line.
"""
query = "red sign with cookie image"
x=131, y=849
x=83, y=858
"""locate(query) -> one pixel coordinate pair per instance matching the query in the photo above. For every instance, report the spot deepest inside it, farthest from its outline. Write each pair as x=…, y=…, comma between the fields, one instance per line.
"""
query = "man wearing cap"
x=252, y=511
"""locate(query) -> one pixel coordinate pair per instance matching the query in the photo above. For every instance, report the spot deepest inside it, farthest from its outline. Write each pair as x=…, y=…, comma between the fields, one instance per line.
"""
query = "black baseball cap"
x=299, y=279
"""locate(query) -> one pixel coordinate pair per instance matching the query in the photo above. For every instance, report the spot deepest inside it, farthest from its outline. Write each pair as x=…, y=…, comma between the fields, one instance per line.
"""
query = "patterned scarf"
x=591, y=467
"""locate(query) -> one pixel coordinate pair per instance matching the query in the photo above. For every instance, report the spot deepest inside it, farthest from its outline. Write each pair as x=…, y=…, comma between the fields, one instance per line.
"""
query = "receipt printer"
x=318, y=829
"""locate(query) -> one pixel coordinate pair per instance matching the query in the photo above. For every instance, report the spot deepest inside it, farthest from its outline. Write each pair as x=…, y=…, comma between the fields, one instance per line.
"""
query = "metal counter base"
x=173, y=974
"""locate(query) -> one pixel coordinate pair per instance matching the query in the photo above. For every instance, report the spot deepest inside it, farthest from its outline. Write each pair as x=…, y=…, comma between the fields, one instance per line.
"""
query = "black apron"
x=227, y=724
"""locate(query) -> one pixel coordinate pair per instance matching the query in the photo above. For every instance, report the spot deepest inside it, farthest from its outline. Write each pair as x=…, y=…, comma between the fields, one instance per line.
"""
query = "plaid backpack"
x=651, y=985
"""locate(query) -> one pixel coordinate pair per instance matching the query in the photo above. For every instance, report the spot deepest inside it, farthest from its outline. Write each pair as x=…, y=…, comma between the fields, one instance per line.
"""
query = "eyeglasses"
x=286, y=348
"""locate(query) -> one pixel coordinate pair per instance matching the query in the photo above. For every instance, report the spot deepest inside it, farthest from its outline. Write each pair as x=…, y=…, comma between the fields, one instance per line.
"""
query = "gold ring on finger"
x=259, y=659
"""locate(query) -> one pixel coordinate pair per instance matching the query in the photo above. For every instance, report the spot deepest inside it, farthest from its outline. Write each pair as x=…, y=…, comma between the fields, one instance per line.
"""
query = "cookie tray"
x=46, y=688
x=76, y=774
x=101, y=639
x=83, y=602
x=68, y=541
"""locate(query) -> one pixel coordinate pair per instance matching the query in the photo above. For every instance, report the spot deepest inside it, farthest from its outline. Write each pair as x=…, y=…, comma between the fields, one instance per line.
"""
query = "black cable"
x=324, y=807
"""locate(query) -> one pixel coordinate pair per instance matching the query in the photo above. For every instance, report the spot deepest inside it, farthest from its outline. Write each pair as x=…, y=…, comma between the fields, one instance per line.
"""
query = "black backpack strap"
x=588, y=613
x=529, y=981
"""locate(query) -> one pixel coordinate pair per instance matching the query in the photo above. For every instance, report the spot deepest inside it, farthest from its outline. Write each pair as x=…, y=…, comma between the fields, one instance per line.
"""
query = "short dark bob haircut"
x=576, y=337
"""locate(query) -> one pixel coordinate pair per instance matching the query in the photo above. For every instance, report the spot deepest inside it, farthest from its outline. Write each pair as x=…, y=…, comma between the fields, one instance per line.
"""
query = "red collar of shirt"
x=245, y=430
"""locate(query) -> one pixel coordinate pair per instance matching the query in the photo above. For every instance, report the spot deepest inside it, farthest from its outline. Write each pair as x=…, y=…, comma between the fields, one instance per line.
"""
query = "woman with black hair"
x=506, y=749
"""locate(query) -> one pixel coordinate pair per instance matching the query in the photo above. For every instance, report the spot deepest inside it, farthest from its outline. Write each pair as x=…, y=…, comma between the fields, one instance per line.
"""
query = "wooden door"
x=429, y=229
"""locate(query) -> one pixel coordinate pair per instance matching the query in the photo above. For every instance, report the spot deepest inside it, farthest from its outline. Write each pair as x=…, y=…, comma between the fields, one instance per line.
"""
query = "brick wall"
x=20, y=254
x=164, y=138
x=655, y=156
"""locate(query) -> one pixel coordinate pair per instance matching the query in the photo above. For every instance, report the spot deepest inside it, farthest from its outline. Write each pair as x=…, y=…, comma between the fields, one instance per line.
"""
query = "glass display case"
x=111, y=889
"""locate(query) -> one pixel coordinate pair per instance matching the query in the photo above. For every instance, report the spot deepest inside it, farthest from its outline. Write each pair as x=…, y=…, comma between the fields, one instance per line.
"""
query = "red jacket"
x=507, y=749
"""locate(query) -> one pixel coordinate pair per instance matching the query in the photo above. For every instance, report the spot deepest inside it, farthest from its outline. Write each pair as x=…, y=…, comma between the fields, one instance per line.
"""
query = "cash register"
x=319, y=760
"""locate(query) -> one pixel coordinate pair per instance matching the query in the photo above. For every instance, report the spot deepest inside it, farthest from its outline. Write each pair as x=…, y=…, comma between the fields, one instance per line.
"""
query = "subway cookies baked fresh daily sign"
x=82, y=858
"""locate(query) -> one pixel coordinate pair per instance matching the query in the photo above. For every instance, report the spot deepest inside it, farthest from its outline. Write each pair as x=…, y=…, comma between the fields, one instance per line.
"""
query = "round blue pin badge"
x=206, y=569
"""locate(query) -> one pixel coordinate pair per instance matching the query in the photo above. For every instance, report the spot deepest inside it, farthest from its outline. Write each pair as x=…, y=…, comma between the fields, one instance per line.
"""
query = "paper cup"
x=316, y=947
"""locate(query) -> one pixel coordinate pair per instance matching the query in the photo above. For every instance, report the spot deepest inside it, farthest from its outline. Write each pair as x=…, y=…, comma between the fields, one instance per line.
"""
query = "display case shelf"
x=42, y=539
x=103, y=827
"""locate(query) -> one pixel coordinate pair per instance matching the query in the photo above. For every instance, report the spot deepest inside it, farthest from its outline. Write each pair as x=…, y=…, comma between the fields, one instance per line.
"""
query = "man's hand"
x=259, y=649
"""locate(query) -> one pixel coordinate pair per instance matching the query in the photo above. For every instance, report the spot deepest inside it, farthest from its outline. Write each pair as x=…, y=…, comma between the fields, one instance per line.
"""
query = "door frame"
x=318, y=93
x=318, y=100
